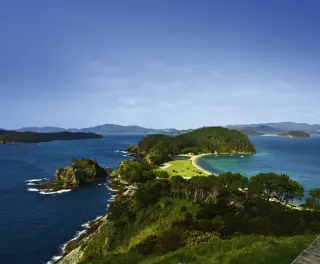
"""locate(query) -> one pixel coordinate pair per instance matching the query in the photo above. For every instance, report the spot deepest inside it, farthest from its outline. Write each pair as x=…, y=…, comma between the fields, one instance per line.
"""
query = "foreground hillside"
x=205, y=219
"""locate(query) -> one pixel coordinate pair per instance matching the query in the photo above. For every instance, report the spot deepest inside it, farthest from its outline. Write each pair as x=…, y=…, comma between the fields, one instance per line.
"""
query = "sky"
x=158, y=63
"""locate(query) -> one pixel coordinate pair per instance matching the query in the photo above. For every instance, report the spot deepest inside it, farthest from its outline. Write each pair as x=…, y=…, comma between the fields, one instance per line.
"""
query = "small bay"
x=297, y=157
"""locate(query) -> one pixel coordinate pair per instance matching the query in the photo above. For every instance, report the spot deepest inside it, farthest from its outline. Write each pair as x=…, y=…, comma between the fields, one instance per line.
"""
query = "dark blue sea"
x=297, y=157
x=33, y=226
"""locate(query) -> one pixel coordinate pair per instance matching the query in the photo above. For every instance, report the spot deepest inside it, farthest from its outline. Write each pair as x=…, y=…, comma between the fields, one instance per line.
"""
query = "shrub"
x=182, y=208
x=196, y=237
x=162, y=174
x=166, y=203
x=171, y=240
x=146, y=246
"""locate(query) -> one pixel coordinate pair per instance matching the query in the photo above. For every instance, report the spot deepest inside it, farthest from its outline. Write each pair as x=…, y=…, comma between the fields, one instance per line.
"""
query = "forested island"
x=295, y=134
x=159, y=148
x=204, y=219
x=13, y=137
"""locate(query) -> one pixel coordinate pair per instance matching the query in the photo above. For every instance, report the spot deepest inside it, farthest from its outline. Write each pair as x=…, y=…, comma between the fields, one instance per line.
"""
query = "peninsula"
x=158, y=149
x=13, y=137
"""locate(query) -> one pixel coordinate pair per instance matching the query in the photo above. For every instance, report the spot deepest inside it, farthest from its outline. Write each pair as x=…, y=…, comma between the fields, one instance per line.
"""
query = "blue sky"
x=158, y=63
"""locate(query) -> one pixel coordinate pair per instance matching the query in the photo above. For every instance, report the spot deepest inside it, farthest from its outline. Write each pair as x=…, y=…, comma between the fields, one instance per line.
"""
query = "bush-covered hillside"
x=225, y=219
x=159, y=148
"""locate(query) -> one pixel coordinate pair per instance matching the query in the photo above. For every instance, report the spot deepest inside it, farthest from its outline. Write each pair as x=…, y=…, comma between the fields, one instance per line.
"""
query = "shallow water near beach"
x=33, y=225
x=297, y=157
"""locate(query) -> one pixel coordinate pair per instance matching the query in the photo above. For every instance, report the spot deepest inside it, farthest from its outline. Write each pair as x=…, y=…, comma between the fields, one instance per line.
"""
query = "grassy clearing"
x=183, y=167
x=241, y=250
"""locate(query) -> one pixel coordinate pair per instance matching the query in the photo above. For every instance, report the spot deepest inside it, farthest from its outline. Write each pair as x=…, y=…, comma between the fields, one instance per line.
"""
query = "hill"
x=282, y=126
x=101, y=129
x=11, y=137
x=111, y=128
x=250, y=132
x=295, y=134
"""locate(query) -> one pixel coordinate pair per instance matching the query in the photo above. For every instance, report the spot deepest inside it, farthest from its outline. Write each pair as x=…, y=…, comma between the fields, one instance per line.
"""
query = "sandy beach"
x=194, y=159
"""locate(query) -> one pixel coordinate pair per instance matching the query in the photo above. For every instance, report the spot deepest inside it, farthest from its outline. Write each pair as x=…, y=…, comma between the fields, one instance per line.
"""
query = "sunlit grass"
x=183, y=167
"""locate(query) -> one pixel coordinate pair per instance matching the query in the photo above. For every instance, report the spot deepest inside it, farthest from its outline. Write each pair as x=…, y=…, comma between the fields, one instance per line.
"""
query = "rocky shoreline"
x=72, y=250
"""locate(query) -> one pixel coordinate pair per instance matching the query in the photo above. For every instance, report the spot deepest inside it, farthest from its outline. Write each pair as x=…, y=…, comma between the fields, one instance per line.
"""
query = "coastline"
x=194, y=160
x=70, y=250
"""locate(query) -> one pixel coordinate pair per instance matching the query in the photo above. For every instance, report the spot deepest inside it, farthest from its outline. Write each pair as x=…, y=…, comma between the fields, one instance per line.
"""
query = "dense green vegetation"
x=241, y=250
x=134, y=171
x=159, y=148
x=295, y=133
x=9, y=137
x=225, y=219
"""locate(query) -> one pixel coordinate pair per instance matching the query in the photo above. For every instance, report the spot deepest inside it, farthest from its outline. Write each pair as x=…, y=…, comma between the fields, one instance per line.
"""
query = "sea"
x=35, y=226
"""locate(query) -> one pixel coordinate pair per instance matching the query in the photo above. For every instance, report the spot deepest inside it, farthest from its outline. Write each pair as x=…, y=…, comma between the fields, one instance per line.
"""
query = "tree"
x=162, y=174
x=135, y=171
x=276, y=186
x=232, y=181
x=313, y=201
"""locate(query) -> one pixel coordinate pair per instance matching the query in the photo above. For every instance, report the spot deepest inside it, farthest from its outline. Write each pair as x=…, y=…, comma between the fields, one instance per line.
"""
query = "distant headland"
x=14, y=137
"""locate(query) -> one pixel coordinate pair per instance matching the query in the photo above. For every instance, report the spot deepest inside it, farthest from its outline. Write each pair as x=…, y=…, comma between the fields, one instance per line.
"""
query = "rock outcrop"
x=79, y=173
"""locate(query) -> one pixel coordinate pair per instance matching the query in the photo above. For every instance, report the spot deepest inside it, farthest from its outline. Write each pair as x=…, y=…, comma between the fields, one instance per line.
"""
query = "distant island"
x=13, y=137
x=264, y=130
x=295, y=134
x=275, y=128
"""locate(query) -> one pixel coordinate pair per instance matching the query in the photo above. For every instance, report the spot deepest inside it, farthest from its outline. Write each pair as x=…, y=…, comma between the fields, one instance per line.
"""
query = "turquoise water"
x=297, y=157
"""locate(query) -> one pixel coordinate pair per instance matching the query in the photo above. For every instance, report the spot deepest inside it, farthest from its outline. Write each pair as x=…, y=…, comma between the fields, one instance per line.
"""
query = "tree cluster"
x=133, y=171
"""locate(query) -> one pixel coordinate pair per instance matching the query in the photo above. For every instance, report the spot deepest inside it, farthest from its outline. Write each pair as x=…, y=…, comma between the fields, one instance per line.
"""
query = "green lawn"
x=183, y=167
